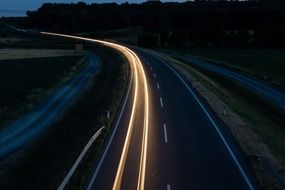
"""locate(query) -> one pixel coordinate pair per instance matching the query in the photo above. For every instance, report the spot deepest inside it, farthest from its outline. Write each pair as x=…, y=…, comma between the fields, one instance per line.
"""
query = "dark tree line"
x=199, y=23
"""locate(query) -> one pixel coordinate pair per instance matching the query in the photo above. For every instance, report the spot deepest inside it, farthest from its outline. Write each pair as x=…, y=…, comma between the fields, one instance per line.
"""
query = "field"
x=266, y=64
x=36, y=42
x=23, y=80
x=124, y=35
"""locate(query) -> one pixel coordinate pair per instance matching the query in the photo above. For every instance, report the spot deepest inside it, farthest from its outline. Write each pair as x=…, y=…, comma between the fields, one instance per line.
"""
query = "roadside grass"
x=270, y=132
x=24, y=82
x=44, y=163
x=266, y=64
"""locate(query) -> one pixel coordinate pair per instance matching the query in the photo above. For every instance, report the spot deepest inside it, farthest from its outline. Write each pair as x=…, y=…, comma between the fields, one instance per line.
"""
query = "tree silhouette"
x=202, y=22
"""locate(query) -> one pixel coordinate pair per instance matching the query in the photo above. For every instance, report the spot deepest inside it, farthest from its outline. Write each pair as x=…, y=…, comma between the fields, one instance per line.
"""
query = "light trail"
x=141, y=179
x=138, y=69
x=119, y=174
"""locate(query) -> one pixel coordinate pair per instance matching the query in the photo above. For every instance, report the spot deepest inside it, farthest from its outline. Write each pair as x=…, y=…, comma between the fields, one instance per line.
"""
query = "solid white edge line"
x=165, y=133
x=111, y=138
x=78, y=160
x=246, y=178
x=161, y=103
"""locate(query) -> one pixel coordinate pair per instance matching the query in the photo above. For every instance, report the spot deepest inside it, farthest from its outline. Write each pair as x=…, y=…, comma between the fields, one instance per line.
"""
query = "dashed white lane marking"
x=150, y=68
x=168, y=187
x=161, y=103
x=157, y=85
x=154, y=75
x=165, y=133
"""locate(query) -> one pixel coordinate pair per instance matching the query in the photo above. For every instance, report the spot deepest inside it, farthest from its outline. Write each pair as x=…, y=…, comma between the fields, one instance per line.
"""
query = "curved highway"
x=188, y=147
x=165, y=137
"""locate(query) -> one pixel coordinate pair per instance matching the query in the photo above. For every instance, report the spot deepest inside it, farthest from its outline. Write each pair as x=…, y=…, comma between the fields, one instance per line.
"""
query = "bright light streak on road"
x=119, y=174
x=141, y=179
x=138, y=69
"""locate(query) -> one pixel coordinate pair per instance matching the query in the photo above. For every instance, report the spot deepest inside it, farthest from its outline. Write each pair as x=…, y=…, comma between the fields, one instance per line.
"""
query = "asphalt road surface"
x=26, y=128
x=165, y=137
x=266, y=90
x=187, y=147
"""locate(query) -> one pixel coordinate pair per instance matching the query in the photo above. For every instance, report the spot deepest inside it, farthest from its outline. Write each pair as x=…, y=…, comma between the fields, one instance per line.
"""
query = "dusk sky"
x=19, y=7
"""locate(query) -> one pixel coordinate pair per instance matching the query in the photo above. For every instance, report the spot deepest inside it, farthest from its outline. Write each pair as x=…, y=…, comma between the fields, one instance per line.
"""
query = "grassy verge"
x=25, y=82
x=265, y=64
x=262, y=104
x=44, y=162
x=261, y=138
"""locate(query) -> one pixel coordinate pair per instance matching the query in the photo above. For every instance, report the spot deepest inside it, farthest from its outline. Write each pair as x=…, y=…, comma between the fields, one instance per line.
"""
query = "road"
x=187, y=147
x=165, y=137
x=264, y=89
x=29, y=126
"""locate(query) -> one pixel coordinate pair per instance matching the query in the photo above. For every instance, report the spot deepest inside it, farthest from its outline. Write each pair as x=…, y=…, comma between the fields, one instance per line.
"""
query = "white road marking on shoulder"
x=161, y=103
x=168, y=187
x=165, y=133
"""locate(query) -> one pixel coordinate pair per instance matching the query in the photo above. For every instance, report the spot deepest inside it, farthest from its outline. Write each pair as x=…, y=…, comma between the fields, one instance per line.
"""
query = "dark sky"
x=19, y=7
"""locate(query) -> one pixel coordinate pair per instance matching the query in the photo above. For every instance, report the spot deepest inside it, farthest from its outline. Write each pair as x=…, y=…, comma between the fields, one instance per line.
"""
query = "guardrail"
x=79, y=159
